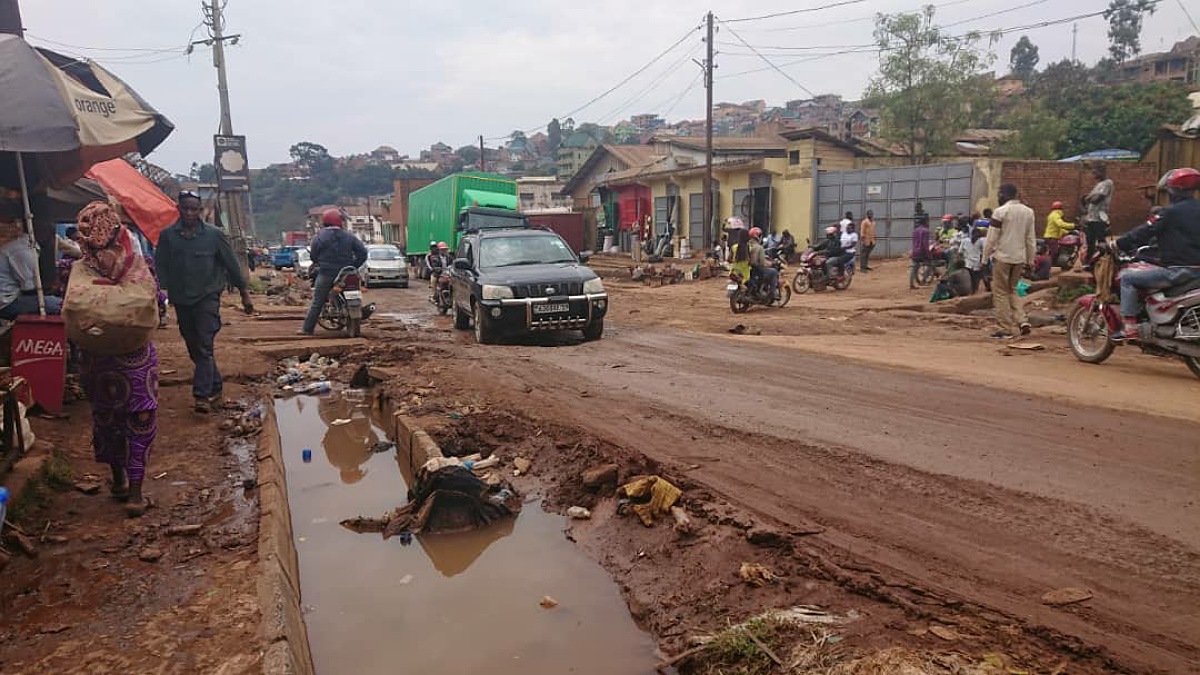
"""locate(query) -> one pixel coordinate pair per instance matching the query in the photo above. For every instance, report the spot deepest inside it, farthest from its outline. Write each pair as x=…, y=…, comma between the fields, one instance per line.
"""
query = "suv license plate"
x=352, y=295
x=556, y=308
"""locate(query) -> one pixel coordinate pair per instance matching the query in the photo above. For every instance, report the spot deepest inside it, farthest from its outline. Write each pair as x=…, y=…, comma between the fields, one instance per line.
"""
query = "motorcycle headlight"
x=593, y=286
x=496, y=292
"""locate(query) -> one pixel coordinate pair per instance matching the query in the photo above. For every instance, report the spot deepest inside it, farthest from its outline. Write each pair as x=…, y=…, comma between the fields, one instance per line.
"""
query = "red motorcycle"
x=442, y=298
x=812, y=273
x=1169, y=324
x=1069, y=246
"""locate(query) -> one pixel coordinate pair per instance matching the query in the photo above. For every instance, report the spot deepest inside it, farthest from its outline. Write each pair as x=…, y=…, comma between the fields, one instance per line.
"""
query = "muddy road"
x=984, y=496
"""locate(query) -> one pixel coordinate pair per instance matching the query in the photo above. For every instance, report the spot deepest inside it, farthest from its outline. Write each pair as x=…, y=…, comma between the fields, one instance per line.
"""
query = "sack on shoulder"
x=109, y=318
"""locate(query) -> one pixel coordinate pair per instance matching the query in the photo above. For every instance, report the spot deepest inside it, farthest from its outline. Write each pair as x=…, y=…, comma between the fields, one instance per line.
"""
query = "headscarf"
x=107, y=247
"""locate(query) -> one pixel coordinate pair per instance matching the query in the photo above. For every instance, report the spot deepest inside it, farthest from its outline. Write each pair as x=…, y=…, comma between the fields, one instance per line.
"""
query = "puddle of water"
x=446, y=603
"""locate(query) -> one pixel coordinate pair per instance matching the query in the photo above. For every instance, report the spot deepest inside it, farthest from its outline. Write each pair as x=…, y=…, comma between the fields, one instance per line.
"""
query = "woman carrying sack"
x=119, y=367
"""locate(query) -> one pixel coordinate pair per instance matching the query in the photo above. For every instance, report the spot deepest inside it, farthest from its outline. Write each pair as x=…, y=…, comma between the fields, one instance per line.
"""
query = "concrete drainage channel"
x=336, y=601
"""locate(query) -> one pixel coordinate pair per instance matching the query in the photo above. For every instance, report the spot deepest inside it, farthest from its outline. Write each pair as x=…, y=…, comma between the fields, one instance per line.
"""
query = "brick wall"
x=1041, y=183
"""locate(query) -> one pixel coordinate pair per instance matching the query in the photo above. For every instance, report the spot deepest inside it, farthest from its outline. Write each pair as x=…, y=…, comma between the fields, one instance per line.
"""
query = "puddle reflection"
x=453, y=603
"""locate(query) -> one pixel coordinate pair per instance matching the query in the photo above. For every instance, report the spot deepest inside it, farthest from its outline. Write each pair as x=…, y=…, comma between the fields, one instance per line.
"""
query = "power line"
x=1188, y=15
x=682, y=94
x=670, y=70
x=776, y=15
x=851, y=49
x=616, y=86
x=996, y=13
x=860, y=19
x=769, y=62
x=104, y=49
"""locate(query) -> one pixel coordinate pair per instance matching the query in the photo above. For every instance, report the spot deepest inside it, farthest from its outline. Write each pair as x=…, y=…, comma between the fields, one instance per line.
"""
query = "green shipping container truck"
x=441, y=211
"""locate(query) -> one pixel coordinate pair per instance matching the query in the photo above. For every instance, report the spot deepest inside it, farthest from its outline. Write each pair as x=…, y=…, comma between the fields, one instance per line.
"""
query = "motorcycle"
x=441, y=292
x=812, y=273
x=1069, y=246
x=344, y=309
x=743, y=295
x=1169, y=324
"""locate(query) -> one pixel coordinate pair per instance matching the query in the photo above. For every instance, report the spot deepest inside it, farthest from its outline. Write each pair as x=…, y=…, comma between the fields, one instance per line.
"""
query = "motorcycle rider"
x=333, y=249
x=1177, y=231
x=1056, y=228
x=849, y=245
x=766, y=275
x=437, y=260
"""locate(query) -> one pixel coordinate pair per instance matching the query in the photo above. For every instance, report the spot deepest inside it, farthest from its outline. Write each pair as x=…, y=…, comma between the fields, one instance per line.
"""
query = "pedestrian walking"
x=1097, y=204
x=920, y=249
x=866, y=239
x=122, y=388
x=1012, y=245
x=195, y=262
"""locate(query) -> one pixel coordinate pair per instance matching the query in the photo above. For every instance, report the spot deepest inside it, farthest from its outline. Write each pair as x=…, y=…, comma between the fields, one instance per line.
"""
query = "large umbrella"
x=59, y=116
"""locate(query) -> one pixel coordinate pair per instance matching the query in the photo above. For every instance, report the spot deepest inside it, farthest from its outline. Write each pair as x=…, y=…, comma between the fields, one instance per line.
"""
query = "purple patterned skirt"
x=124, y=395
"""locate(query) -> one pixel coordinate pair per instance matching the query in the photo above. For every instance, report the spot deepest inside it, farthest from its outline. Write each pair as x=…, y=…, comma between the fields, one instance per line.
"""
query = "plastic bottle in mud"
x=3, y=505
x=322, y=387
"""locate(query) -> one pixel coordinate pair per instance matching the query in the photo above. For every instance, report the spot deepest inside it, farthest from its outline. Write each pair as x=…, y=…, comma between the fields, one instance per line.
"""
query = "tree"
x=1039, y=133
x=516, y=137
x=554, y=134
x=596, y=132
x=1122, y=116
x=203, y=173
x=929, y=86
x=1125, y=27
x=1023, y=59
x=311, y=155
x=469, y=154
x=568, y=127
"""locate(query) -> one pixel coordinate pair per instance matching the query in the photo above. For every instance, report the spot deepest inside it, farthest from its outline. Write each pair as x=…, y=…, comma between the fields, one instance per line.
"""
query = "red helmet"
x=332, y=218
x=1180, y=181
x=1056, y=205
x=756, y=232
x=947, y=218
x=442, y=246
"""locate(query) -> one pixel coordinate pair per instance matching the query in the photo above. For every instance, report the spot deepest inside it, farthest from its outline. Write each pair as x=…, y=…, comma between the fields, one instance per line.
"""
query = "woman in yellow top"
x=1056, y=228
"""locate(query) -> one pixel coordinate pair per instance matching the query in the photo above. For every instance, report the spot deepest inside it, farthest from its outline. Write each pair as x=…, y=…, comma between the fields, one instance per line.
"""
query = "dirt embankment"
x=900, y=550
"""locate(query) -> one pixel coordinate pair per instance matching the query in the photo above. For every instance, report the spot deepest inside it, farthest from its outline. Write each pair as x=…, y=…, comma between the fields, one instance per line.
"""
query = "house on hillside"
x=574, y=152
x=1180, y=64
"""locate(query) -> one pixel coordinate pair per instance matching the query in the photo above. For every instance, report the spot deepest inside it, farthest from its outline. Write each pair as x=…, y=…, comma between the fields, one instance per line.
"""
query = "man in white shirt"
x=848, y=220
x=849, y=241
x=1012, y=245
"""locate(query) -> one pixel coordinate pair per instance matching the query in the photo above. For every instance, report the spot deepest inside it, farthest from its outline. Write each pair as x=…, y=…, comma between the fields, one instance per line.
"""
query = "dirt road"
x=984, y=495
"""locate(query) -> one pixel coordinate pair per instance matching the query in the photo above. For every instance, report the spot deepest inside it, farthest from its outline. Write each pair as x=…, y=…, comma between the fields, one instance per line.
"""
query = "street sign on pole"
x=233, y=169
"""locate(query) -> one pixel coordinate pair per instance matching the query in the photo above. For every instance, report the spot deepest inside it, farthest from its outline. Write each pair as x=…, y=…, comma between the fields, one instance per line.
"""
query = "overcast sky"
x=355, y=74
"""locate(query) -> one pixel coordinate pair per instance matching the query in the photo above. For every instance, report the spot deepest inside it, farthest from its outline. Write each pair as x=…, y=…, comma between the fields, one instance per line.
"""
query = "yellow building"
x=773, y=191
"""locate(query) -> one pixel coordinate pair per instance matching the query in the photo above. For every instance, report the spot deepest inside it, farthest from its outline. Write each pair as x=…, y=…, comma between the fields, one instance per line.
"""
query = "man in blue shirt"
x=18, y=272
x=195, y=262
x=331, y=250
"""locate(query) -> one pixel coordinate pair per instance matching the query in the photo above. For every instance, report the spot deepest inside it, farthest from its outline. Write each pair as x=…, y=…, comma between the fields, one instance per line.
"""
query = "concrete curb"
x=283, y=633
x=411, y=440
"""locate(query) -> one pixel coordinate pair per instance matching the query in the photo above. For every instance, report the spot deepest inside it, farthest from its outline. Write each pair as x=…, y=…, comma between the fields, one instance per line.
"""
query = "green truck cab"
x=443, y=210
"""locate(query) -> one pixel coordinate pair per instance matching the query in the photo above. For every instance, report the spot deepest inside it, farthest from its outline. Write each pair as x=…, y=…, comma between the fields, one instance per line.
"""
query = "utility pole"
x=482, y=161
x=235, y=204
x=1074, y=32
x=708, y=136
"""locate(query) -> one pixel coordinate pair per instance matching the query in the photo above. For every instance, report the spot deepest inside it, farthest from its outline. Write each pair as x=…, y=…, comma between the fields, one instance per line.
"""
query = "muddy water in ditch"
x=445, y=603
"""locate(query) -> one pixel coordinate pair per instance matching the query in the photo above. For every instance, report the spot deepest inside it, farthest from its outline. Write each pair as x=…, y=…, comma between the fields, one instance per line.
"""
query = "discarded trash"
x=88, y=487
x=382, y=446
x=1027, y=346
x=306, y=455
x=548, y=603
x=184, y=530
x=161, y=476
x=650, y=496
x=448, y=499
x=1066, y=596
x=339, y=422
x=757, y=575
x=683, y=523
x=579, y=513
x=484, y=463
x=406, y=579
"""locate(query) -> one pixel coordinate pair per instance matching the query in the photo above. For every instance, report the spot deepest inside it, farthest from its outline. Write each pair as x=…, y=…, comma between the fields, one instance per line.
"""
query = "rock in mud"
x=548, y=602
x=599, y=476
x=579, y=513
x=22, y=543
x=760, y=536
x=521, y=466
x=1066, y=596
x=150, y=554
x=757, y=575
x=88, y=487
